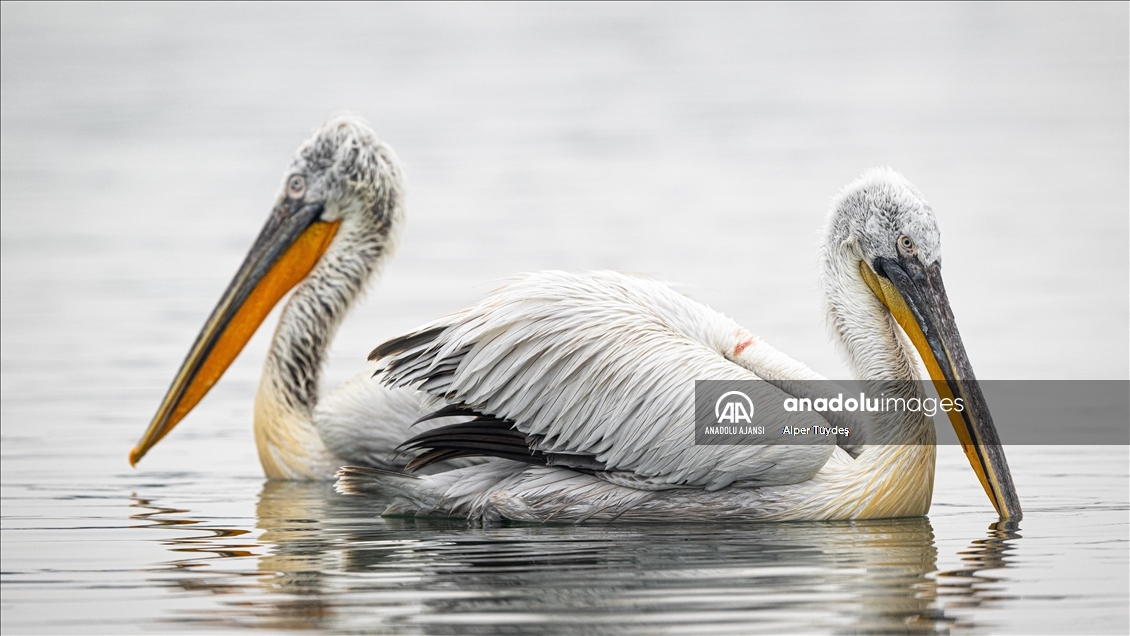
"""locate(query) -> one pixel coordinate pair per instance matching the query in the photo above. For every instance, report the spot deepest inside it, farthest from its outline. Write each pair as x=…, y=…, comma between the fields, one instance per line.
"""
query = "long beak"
x=916, y=298
x=287, y=248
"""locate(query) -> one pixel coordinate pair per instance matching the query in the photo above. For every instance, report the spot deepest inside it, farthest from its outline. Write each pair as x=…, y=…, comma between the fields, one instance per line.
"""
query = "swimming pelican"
x=581, y=387
x=336, y=221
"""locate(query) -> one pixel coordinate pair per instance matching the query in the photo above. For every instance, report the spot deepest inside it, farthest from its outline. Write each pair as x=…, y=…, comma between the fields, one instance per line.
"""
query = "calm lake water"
x=142, y=148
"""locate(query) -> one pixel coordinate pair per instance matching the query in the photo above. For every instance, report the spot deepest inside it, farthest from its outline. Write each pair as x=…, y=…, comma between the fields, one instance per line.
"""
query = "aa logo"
x=733, y=407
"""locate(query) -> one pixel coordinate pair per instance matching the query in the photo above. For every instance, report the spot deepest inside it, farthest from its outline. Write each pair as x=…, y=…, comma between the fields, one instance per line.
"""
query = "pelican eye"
x=906, y=246
x=296, y=187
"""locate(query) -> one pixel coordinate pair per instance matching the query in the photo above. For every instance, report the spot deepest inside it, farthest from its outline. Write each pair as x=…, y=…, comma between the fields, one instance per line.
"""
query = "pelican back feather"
x=598, y=368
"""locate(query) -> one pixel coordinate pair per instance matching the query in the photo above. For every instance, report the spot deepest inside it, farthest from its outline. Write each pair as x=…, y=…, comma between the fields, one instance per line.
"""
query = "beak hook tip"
x=134, y=456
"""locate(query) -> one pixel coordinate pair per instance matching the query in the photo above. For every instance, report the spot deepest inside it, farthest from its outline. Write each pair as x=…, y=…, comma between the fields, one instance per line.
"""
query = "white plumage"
x=593, y=374
x=601, y=367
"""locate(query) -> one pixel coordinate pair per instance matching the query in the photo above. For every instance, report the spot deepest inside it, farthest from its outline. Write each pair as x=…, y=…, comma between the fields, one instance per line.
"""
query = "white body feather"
x=603, y=365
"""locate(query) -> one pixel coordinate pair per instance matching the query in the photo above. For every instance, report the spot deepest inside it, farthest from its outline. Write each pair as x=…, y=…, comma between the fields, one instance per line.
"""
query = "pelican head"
x=881, y=261
x=337, y=214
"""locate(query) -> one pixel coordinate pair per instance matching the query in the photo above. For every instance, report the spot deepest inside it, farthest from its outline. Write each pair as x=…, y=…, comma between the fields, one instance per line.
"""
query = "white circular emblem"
x=733, y=411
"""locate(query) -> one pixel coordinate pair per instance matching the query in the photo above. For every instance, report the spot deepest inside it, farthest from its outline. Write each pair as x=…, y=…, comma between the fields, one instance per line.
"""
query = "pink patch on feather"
x=741, y=346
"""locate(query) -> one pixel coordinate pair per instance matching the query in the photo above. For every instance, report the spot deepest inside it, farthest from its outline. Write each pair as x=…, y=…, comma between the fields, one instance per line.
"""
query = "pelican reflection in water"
x=581, y=388
x=317, y=563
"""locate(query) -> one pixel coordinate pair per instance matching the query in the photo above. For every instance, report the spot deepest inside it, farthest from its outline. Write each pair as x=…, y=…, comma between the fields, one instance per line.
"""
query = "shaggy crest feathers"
x=875, y=209
x=344, y=159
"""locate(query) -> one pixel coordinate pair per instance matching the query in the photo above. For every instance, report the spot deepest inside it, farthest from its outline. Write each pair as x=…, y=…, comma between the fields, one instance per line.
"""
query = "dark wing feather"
x=405, y=343
x=486, y=435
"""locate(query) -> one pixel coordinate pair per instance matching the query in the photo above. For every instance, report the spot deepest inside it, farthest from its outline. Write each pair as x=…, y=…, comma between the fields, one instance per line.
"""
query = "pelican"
x=580, y=387
x=335, y=223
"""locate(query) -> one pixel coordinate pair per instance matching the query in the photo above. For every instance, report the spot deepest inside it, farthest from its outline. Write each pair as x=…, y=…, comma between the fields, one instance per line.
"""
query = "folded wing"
x=591, y=371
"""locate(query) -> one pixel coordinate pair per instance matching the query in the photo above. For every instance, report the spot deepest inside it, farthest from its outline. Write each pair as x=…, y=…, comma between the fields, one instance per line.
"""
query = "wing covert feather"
x=599, y=364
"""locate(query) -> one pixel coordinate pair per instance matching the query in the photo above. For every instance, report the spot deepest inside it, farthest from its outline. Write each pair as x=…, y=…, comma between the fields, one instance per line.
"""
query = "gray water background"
x=142, y=147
